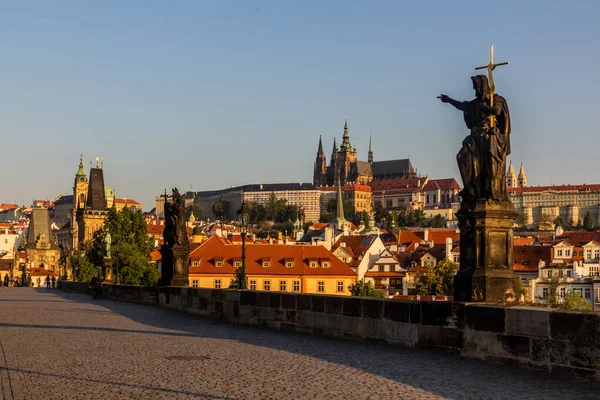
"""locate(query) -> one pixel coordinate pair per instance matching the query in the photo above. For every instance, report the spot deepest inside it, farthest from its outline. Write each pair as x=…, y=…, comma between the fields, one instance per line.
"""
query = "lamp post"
x=242, y=215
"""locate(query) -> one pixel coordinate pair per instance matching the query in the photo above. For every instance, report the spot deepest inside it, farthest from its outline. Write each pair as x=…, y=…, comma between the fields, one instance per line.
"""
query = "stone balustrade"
x=541, y=338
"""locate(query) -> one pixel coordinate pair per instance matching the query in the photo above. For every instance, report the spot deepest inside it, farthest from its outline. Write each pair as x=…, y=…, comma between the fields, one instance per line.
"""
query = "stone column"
x=108, y=270
x=486, y=254
x=180, y=266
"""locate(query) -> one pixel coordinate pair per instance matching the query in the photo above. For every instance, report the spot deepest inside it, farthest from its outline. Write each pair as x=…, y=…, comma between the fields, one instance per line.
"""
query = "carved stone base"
x=486, y=254
x=181, y=256
x=108, y=270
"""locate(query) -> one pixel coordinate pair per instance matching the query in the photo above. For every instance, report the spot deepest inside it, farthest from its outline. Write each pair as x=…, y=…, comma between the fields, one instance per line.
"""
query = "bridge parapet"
x=541, y=338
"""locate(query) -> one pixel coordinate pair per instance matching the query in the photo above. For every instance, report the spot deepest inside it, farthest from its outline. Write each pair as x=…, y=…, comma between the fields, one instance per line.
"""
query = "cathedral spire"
x=346, y=145
x=320, y=151
x=522, y=177
x=339, y=210
x=370, y=158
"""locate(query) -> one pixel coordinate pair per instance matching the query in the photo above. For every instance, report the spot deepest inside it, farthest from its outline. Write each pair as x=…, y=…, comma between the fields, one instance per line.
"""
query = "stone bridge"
x=58, y=345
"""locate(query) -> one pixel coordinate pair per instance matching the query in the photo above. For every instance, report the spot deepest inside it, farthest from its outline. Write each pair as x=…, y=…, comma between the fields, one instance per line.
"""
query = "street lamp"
x=242, y=215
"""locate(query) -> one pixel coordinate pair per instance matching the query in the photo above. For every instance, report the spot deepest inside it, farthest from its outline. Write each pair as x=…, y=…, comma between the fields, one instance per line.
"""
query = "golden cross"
x=490, y=67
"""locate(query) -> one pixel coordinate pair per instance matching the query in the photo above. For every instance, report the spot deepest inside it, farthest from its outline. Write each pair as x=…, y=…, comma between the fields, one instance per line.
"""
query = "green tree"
x=521, y=220
x=437, y=280
x=438, y=222
x=364, y=218
x=362, y=289
x=131, y=247
x=257, y=213
x=83, y=269
x=558, y=221
x=574, y=301
x=220, y=208
x=588, y=222
x=196, y=209
x=380, y=213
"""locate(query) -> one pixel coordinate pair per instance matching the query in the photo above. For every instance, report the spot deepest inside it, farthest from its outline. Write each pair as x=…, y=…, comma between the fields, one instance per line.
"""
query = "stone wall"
x=555, y=341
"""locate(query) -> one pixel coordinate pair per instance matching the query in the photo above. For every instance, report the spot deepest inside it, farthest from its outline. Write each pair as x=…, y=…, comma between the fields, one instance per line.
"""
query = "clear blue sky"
x=209, y=94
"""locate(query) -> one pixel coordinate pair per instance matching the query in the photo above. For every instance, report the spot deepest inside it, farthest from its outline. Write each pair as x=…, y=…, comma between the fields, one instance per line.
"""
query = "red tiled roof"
x=126, y=201
x=155, y=255
x=406, y=238
x=353, y=245
x=526, y=257
x=155, y=229
x=442, y=184
x=347, y=188
x=523, y=241
x=563, y=188
x=397, y=184
x=439, y=235
x=6, y=207
x=215, y=247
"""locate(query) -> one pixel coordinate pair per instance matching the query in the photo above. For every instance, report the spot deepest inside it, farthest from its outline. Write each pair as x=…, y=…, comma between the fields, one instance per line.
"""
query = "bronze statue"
x=175, y=239
x=482, y=158
x=178, y=210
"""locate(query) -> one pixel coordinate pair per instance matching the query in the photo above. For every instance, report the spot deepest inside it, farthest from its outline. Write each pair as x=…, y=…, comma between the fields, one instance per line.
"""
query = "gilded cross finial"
x=490, y=68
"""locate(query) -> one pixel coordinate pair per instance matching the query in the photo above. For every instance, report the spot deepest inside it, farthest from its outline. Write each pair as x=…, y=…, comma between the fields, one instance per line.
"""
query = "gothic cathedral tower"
x=320, y=172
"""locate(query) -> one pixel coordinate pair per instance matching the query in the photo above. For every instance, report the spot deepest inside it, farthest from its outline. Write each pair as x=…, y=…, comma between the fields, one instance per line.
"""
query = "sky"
x=206, y=95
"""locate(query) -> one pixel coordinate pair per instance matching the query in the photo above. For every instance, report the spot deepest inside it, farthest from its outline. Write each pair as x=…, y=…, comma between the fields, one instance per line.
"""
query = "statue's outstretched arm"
x=459, y=105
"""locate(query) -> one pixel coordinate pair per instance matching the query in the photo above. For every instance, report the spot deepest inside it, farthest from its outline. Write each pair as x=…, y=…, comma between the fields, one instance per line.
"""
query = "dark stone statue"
x=175, y=250
x=482, y=158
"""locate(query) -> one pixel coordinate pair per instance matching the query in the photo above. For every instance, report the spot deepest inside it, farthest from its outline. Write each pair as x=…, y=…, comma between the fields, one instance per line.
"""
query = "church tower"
x=346, y=156
x=370, y=157
x=320, y=172
x=522, y=177
x=333, y=164
x=511, y=177
x=80, y=187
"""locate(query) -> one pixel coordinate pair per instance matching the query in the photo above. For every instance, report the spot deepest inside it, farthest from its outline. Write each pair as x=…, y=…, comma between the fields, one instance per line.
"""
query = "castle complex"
x=344, y=164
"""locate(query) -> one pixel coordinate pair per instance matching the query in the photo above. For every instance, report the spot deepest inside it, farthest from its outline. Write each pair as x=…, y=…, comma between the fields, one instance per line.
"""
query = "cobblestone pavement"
x=68, y=346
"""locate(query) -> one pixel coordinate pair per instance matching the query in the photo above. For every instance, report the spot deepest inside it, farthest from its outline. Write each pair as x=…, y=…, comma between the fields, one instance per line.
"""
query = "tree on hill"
x=438, y=222
x=196, y=209
x=362, y=289
x=588, y=222
x=521, y=220
x=220, y=208
x=437, y=280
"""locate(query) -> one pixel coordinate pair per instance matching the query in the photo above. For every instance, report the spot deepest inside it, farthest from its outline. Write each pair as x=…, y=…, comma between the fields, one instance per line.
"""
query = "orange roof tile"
x=215, y=247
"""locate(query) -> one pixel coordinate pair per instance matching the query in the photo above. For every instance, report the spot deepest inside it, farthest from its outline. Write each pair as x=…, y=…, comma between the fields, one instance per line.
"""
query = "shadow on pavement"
x=417, y=367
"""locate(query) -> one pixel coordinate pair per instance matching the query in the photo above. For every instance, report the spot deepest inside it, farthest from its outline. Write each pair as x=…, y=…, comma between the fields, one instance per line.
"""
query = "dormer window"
x=218, y=263
x=289, y=263
x=325, y=264
x=195, y=263
x=265, y=264
x=237, y=264
x=313, y=264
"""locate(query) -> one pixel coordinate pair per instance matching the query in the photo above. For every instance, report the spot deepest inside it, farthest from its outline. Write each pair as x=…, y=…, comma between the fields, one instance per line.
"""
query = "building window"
x=340, y=286
x=219, y=264
x=567, y=252
x=217, y=284
x=194, y=263
x=456, y=258
x=288, y=264
x=313, y=264
x=52, y=258
x=237, y=264
x=588, y=254
x=325, y=264
x=194, y=282
x=569, y=273
x=593, y=270
x=545, y=293
x=597, y=253
x=282, y=286
x=296, y=286
x=267, y=285
x=562, y=293
x=253, y=284
x=587, y=293
x=559, y=253
x=549, y=273
x=321, y=286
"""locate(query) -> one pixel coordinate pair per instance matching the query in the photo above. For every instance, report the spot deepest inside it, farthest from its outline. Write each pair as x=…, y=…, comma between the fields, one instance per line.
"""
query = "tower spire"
x=370, y=158
x=320, y=151
x=522, y=177
x=339, y=210
x=346, y=145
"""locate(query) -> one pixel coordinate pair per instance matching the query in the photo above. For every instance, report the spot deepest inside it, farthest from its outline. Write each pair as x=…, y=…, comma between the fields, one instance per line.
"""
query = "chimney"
x=426, y=235
x=448, y=248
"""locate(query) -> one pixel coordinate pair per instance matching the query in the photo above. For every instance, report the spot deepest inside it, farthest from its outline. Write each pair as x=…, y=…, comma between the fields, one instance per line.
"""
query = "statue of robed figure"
x=482, y=158
x=486, y=215
x=175, y=249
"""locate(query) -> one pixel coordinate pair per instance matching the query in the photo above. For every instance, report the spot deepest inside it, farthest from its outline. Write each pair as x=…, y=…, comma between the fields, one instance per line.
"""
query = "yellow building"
x=270, y=267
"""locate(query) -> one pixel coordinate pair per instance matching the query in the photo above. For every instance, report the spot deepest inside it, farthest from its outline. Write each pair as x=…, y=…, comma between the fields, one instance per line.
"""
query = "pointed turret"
x=96, y=196
x=511, y=177
x=522, y=177
x=320, y=170
x=370, y=157
x=346, y=145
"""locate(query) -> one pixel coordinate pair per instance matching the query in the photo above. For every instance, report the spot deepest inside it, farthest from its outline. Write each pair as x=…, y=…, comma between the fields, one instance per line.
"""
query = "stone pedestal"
x=486, y=254
x=180, y=266
x=108, y=270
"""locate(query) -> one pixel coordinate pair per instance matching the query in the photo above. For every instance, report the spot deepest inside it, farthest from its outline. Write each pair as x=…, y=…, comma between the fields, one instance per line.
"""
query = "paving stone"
x=68, y=346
